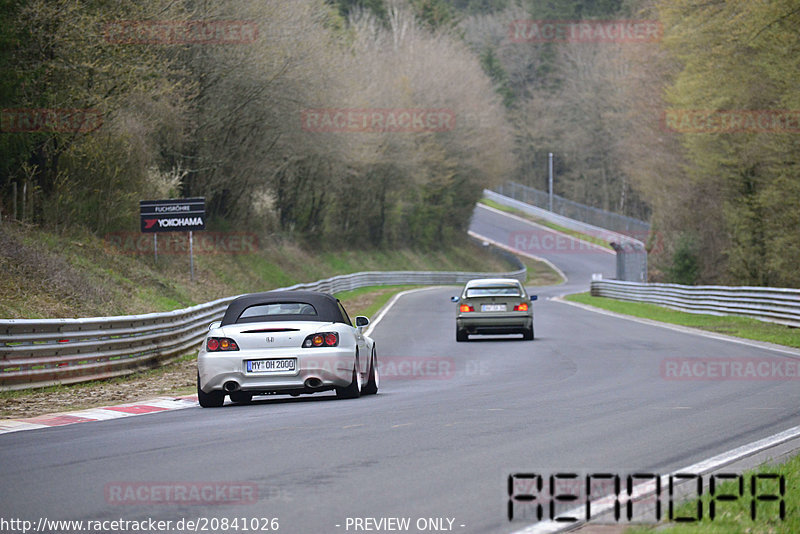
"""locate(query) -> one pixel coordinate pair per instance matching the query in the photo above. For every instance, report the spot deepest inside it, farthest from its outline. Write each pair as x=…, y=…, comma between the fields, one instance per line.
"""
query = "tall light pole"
x=550, y=181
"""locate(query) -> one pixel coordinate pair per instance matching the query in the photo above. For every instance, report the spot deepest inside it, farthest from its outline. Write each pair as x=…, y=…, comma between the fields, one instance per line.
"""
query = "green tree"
x=685, y=265
x=573, y=9
x=742, y=55
x=60, y=57
x=479, y=7
x=376, y=7
x=494, y=69
x=435, y=14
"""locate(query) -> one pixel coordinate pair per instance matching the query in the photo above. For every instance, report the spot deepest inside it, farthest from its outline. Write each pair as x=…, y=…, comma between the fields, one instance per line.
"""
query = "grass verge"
x=744, y=327
x=540, y=274
x=735, y=516
x=369, y=300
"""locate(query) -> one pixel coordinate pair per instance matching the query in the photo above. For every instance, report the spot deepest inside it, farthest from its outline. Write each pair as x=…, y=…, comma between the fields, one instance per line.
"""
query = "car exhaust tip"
x=231, y=385
x=312, y=383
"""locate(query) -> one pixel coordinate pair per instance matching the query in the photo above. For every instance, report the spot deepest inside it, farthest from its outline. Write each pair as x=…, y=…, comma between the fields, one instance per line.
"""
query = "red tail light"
x=466, y=308
x=322, y=339
x=219, y=344
x=521, y=307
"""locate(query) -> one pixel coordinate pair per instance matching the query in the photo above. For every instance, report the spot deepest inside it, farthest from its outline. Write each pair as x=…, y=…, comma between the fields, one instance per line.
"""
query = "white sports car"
x=285, y=342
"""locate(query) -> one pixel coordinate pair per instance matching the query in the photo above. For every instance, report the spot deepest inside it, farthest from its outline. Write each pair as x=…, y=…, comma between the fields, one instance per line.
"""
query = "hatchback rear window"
x=274, y=310
x=499, y=291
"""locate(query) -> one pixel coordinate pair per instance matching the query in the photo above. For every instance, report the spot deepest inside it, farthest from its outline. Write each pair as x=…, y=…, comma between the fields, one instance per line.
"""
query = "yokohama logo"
x=168, y=223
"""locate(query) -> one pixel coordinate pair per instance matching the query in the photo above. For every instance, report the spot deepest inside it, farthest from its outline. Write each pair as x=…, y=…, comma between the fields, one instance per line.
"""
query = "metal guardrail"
x=631, y=253
x=573, y=224
x=577, y=211
x=43, y=352
x=775, y=305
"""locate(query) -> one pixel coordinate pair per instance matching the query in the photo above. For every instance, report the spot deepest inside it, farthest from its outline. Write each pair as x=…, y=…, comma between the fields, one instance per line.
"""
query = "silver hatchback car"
x=494, y=306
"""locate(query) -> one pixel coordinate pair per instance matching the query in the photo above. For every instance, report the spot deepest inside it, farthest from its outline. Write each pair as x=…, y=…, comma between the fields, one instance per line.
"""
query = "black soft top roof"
x=327, y=306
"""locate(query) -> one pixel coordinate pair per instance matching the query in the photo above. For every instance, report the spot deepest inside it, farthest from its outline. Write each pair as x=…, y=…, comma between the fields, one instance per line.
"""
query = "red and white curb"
x=160, y=404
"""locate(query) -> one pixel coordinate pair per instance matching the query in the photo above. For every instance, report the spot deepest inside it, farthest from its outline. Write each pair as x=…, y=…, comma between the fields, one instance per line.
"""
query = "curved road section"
x=431, y=452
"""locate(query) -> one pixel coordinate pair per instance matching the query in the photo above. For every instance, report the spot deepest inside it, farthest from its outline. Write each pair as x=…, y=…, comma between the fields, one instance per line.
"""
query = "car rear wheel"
x=215, y=399
x=374, y=379
x=241, y=397
x=353, y=391
x=461, y=335
x=528, y=333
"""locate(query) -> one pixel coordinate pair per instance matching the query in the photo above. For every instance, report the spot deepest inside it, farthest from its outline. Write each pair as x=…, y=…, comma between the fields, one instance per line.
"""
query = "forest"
x=377, y=123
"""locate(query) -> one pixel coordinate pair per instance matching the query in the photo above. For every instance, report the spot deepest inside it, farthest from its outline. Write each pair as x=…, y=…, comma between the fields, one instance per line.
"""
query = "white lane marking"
x=515, y=251
x=382, y=313
x=543, y=227
x=646, y=489
x=793, y=353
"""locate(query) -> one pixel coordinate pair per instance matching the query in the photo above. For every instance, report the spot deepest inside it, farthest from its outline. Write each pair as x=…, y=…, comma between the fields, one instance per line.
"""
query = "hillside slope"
x=44, y=274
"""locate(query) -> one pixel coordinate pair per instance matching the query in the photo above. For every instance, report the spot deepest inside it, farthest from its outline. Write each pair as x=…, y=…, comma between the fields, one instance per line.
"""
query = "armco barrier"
x=775, y=305
x=575, y=211
x=42, y=352
x=631, y=253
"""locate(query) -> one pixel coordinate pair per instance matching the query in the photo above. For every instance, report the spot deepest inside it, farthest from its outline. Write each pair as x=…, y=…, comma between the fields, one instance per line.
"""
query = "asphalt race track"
x=451, y=422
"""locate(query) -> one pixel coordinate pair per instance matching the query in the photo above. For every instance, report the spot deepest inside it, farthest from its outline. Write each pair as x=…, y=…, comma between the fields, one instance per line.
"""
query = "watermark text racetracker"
x=779, y=121
x=151, y=525
x=541, y=240
x=758, y=369
x=181, y=493
x=585, y=31
x=211, y=243
x=399, y=368
x=378, y=120
x=50, y=120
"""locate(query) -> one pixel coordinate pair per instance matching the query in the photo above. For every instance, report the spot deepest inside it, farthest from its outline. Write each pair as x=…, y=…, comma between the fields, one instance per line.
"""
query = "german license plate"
x=277, y=365
x=493, y=307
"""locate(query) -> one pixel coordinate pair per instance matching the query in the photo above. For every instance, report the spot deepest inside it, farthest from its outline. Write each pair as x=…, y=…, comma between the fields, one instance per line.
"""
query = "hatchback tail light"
x=221, y=344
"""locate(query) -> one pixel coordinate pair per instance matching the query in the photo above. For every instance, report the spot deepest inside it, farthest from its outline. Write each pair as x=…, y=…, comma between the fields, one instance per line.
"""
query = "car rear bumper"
x=318, y=370
x=506, y=324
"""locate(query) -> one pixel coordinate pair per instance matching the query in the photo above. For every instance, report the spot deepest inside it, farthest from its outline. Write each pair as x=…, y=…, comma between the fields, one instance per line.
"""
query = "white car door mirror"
x=362, y=321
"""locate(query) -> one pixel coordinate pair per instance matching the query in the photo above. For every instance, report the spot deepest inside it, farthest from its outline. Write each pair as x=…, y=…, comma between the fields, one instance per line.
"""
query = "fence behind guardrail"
x=575, y=210
x=631, y=252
